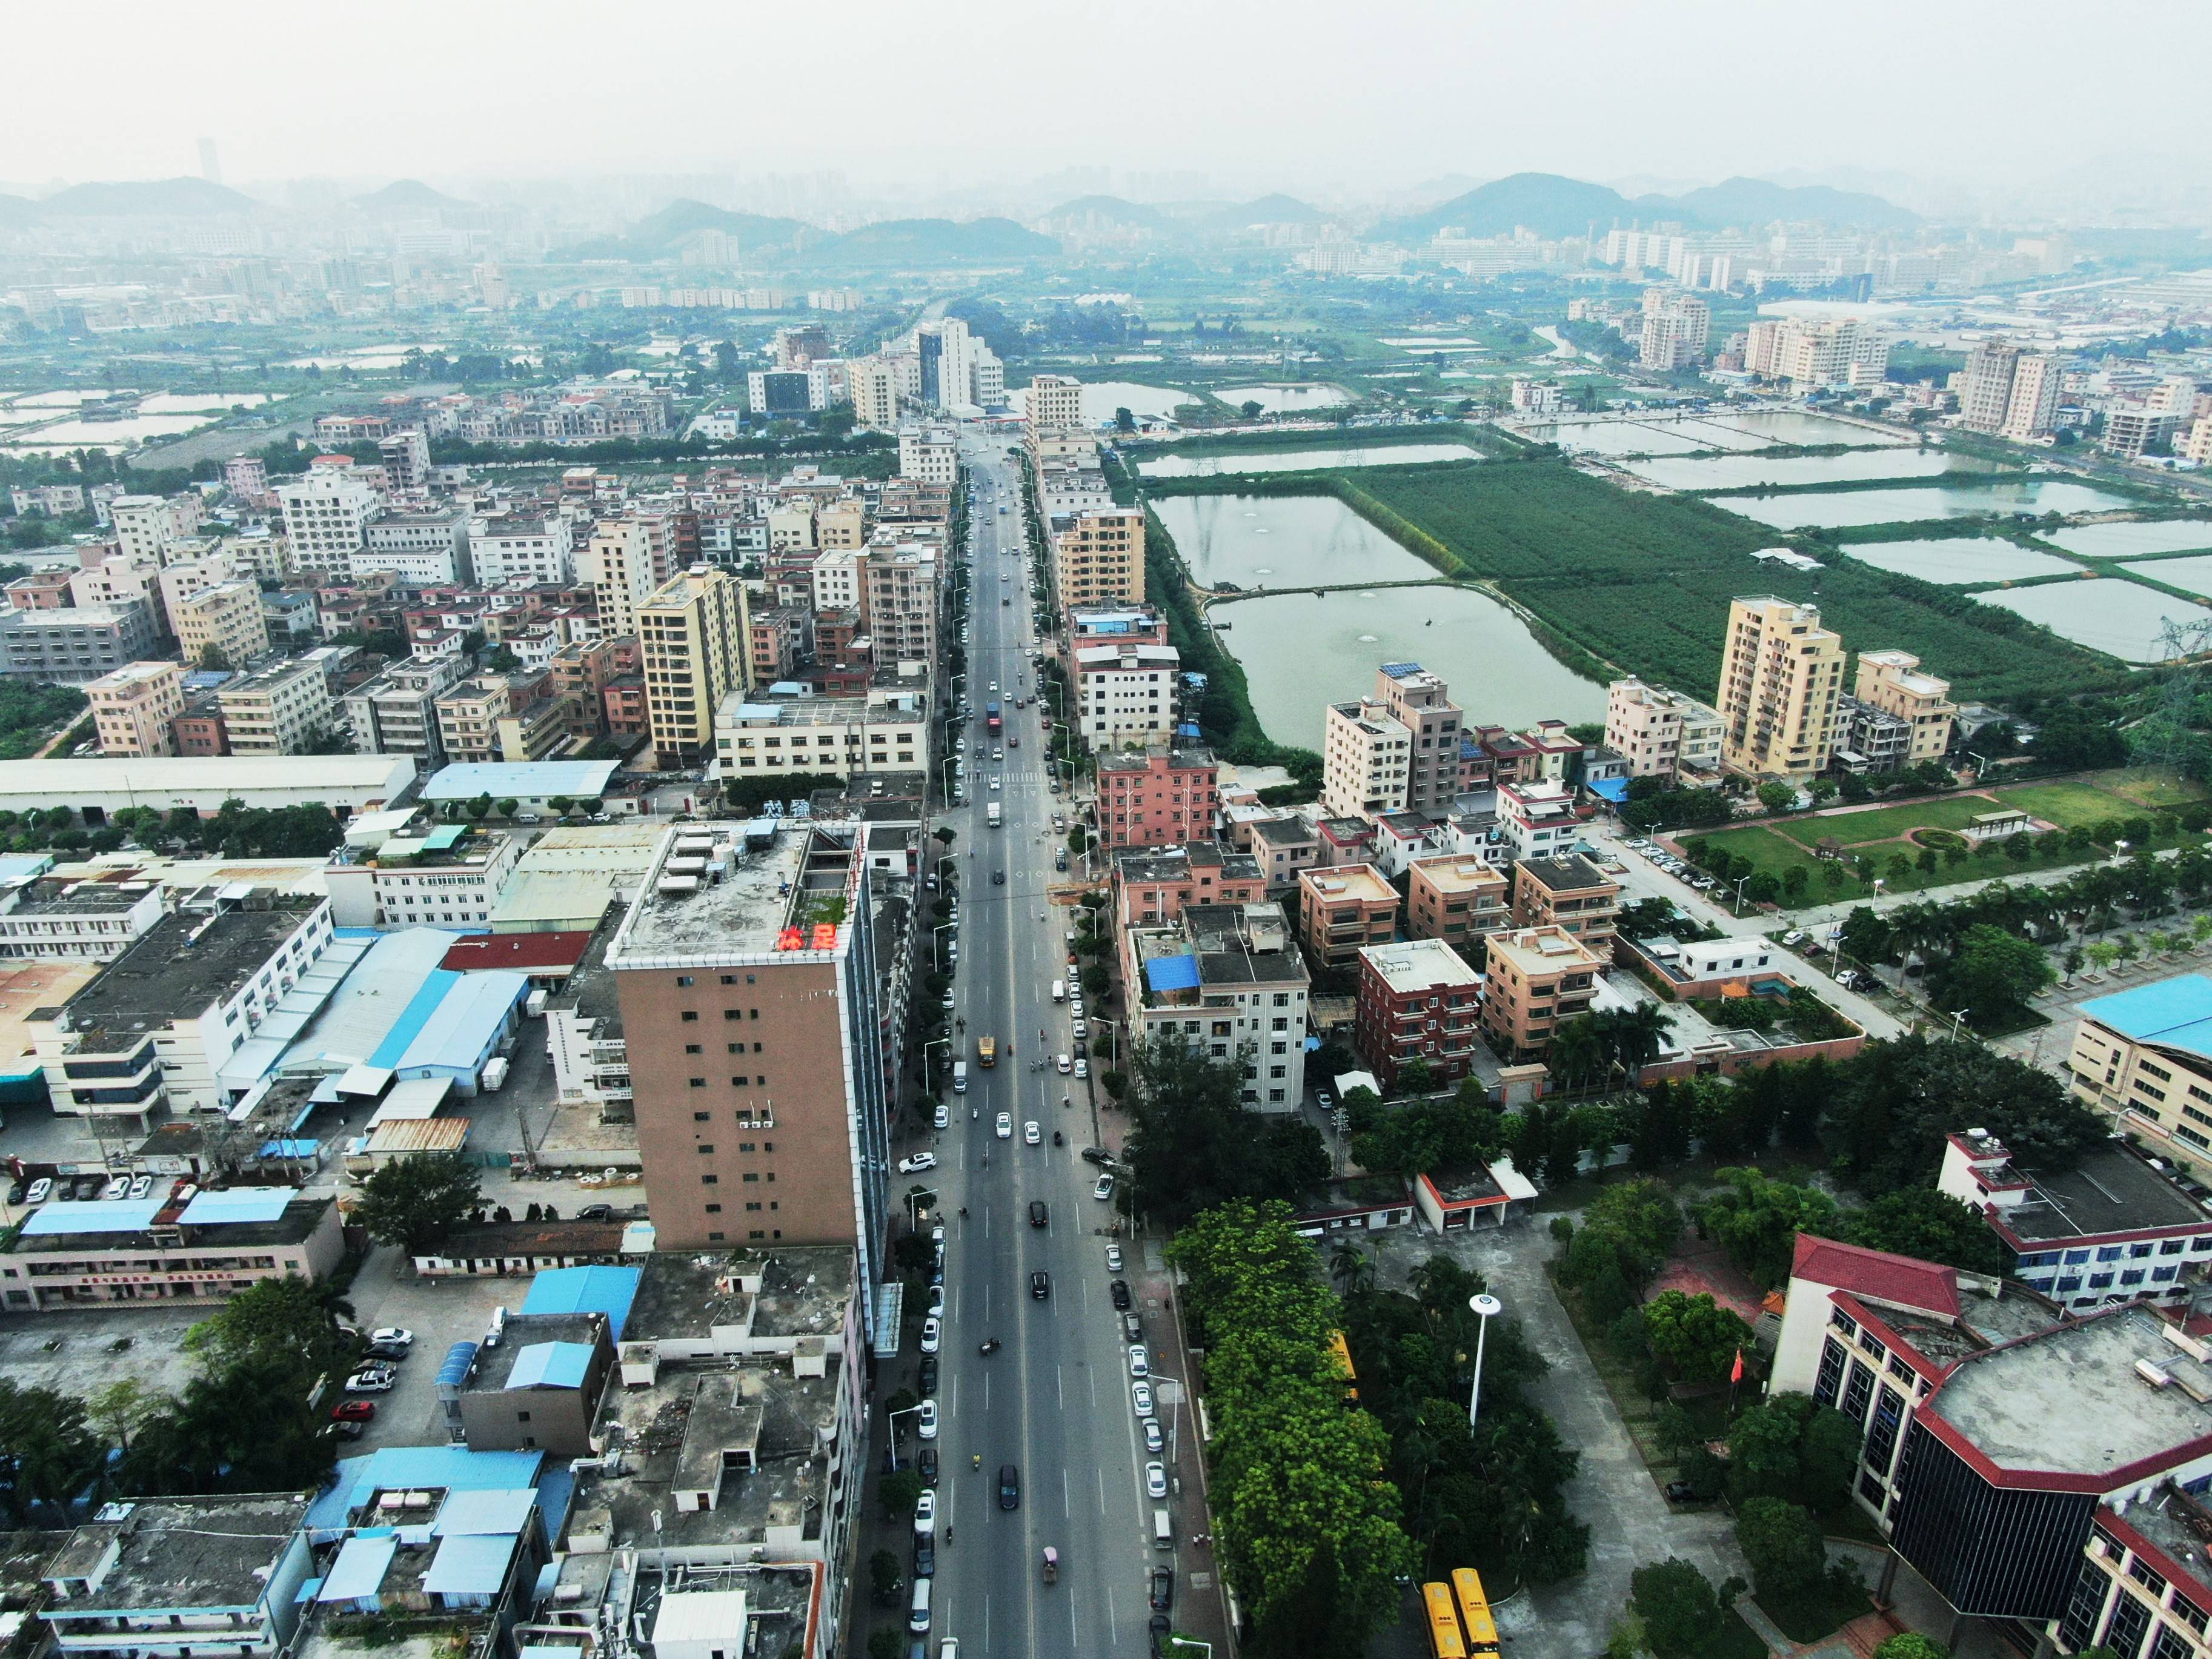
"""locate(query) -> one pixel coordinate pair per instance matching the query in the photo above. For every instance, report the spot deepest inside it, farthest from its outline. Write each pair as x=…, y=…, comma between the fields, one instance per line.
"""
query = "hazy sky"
x=1379, y=94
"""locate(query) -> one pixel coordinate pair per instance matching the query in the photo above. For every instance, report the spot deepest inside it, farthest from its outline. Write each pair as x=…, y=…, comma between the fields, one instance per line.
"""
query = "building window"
x=710, y=1181
x=1856, y=1392
x=1832, y=1370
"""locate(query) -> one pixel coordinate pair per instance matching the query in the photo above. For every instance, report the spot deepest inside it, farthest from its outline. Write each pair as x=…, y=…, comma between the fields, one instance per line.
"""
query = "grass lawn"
x=1890, y=823
x=2152, y=788
x=2067, y=802
x=1819, y=1613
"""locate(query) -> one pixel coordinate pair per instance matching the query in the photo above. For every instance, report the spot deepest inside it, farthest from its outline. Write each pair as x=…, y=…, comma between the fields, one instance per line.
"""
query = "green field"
x=2068, y=802
x=1890, y=823
x=1643, y=582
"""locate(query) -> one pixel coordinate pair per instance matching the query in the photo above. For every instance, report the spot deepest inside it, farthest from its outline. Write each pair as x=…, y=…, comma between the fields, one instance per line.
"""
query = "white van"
x=1059, y=990
x=1162, y=1531
x=917, y=1619
x=959, y=1077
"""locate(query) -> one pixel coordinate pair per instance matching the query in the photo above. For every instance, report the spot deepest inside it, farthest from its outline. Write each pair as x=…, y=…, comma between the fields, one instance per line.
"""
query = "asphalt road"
x=1054, y=1400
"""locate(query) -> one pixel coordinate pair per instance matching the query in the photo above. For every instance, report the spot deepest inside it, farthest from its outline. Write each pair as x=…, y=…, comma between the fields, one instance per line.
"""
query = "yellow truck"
x=987, y=1051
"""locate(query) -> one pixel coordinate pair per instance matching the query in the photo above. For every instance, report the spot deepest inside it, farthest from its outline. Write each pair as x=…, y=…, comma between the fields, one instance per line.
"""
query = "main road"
x=1054, y=1400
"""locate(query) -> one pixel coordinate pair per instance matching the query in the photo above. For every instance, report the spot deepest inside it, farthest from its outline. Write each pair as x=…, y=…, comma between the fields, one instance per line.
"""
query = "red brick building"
x=1157, y=797
x=1416, y=1001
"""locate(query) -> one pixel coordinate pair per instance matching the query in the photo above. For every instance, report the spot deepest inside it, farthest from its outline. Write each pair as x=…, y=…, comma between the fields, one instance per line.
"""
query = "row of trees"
x=1308, y=1526
x=1193, y=1146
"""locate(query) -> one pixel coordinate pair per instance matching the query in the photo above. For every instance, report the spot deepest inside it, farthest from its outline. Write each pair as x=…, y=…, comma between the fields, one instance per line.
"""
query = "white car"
x=396, y=1334
x=1006, y=1126
x=1062, y=1062
x=1140, y=1395
x=1082, y=1067
x=1031, y=1135
x=931, y=1331
x=141, y=1185
x=942, y=1117
x=40, y=1189
x=1154, y=1440
x=1140, y=1360
x=918, y=1163
x=1155, y=1481
x=994, y=783
x=924, y=1512
x=927, y=1418
x=369, y=1382
x=1112, y=1258
x=1081, y=1028
x=995, y=685
x=1104, y=1190
x=116, y=1188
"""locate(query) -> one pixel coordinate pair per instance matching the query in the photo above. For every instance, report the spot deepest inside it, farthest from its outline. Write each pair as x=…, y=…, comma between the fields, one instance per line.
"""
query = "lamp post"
x=1735, y=907
x=1958, y=1022
x=1175, y=1416
x=937, y=945
x=1486, y=1307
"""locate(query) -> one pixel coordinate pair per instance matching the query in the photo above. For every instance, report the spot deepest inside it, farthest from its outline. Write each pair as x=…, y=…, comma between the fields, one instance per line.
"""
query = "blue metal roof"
x=455, y=1370
x=454, y=1035
x=533, y=779
x=550, y=1365
x=120, y=1215
x=609, y=1291
x=462, y=1512
x=470, y=1564
x=2176, y=1012
x=1172, y=973
x=418, y=1468
x=238, y=1203
x=360, y=1568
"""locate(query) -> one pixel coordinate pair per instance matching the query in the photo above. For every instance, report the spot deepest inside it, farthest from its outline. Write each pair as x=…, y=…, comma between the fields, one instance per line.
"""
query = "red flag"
x=1736, y=1375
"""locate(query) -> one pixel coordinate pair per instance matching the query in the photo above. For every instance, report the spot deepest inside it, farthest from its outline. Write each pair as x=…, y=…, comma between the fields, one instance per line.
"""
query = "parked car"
x=924, y=1512
x=1155, y=1481
x=925, y=1556
x=41, y=1189
x=931, y=1334
x=596, y=1212
x=1162, y=1588
x=917, y=1164
x=369, y=1382
x=1155, y=1442
x=398, y=1334
x=927, y=1418
x=1104, y=1190
x=353, y=1411
x=929, y=1373
x=1120, y=1288
x=118, y=1187
x=140, y=1186
x=1096, y=1155
x=1082, y=1067
x=386, y=1350
x=925, y=1465
x=1140, y=1361
x=942, y=1117
x=1140, y=1395
x=1112, y=1258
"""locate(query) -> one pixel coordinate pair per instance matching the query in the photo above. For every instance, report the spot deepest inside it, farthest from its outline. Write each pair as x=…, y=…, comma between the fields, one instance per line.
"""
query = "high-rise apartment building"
x=1397, y=748
x=2032, y=409
x=929, y=454
x=522, y=548
x=279, y=710
x=1891, y=681
x=752, y=1006
x=693, y=651
x=1098, y=556
x=1055, y=401
x=617, y=562
x=899, y=601
x=1675, y=327
x=407, y=459
x=1781, y=674
x=874, y=384
x=1810, y=352
x=148, y=527
x=132, y=707
x=1421, y=703
x=326, y=514
x=226, y=618
x=2009, y=391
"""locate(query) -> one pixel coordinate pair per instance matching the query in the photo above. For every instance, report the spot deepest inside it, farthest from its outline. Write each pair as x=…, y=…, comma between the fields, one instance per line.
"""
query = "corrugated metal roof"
x=2177, y=1012
x=121, y=1215
x=359, y=1570
x=507, y=1511
x=455, y=1034
x=238, y=1204
x=418, y=1134
x=455, y=1369
x=609, y=1291
x=550, y=1365
x=534, y=780
x=470, y=1564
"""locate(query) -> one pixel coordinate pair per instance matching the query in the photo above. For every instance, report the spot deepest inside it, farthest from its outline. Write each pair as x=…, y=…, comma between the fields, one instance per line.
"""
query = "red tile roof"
x=1902, y=1279
x=523, y=952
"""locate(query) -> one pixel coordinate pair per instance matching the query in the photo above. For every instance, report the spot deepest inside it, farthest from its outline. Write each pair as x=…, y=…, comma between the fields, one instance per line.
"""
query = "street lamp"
x=937, y=945
x=1175, y=1416
x=1735, y=908
x=1958, y=1022
x=1486, y=1307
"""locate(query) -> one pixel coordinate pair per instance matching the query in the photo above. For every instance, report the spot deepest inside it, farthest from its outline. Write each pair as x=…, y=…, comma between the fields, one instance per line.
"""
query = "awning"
x=359, y=1571
x=470, y=1564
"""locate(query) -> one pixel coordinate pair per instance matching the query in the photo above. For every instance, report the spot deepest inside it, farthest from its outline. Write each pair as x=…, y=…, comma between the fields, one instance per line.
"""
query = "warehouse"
x=98, y=789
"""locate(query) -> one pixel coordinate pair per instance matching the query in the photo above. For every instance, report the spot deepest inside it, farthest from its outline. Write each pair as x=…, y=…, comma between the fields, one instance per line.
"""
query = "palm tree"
x=1352, y=1269
x=1639, y=1034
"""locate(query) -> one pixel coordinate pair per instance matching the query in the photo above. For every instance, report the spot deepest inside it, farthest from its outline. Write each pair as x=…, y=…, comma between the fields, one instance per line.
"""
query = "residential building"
x=1663, y=733
x=327, y=515
x=53, y=920
x=1158, y=796
x=1415, y=1001
x=900, y=602
x=1284, y=846
x=1098, y=557
x=227, y=620
x=2134, y=430
x=617, y=563
x=148, y=527
x=750, y=1008
x=1152, y=886
x=874, y=385
x=157, y=1251
x=1226, y=980
x=1871, y=740
x=1534, y=979
x=1055, y=402
x=692, y=650
x=1341, y=911
x=133, y=705
x=1891, y=680
x=1457, y=897
x=830, y=737
x=43, y=590
x=929, y=453
x=148, y=1575
x=429, y=547
x=115, y=579
x=1811, y=353
x=1675, y=327
x=1538, y=820
x=396, y=713
x=471, y=710
x=2144, y=1056
x=1421, y=703
x=1781, y=674
x=1569, y=893
x=156, y=1028
x=581, y=670
x=2031, y=406
x=282, y=709
x=76, y=644
x=1125, y=693
x=522, y=548
x=1366, y=757
x=184, y=577
x=406, y=456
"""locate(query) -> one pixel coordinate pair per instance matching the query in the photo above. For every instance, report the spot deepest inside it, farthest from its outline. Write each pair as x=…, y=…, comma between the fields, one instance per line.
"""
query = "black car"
x=1096, y=1155
x=925, y=1465
x=1681, y=1491
x=15, y=1192
x=596, y=1212
x=925, y=1556
x=1040, y=1285
x=929, y=1373
x=1010, y=1486
x=392, y=1351
x=1121, y=1289
x=997, y=878
x=1037, y=1216
x=1161, y=1627
x=1162, y=1588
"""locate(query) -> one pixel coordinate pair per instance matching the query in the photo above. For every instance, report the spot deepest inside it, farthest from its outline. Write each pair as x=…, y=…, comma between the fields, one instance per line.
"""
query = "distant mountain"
x=145, y=198
x=934, y=242
x=1755, y=202
x=1276, y=210
x=407, y=196
x=1545, y=202
x=683, y=217
x=1551, y=205
x=17, y=210
x=1111, y=210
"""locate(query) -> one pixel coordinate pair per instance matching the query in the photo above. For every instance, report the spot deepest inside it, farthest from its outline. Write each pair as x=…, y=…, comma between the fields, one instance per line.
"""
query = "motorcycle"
x=989, y=1347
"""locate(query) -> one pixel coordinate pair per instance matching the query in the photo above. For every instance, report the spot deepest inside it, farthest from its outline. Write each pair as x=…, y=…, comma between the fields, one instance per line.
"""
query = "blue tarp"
x=292, y=1148
x=1172, y=973
x=550, y=1365
x=1613, y=789
x=359, y=1569
x=238, y=1203
x=470, y=1564
x=609, y=1291
x=462, y=1512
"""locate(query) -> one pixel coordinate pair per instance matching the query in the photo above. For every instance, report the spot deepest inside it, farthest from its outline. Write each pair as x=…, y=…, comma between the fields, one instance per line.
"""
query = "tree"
x=901, y=1492
x=1694, y=1336
x=1251, y=409
x=1756, y=1219
x=118, y=1409
x=1123, y=420
x=281, y=1322
x=886, y=1642
x=506, y=806
x=1777, y=796
x=1679, y=1608
x=883, y=1579
x=1782, y=1543
x=215, y=658
x=1428, y=1134
x=414, y=1202
x=47, y=1452
x=1193, y=1144
x=1912, y=1644
x=1993, y=973
x=1640, y=1222
x=1928, y=1225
